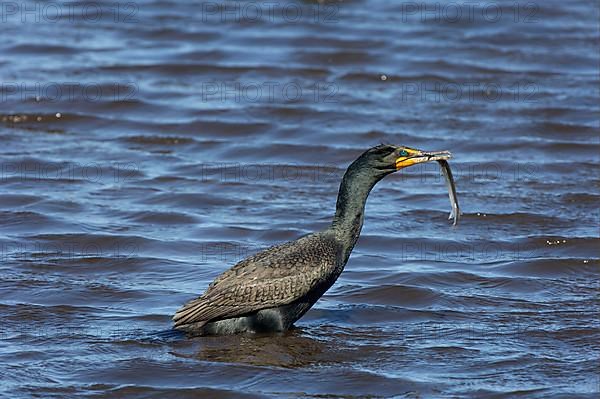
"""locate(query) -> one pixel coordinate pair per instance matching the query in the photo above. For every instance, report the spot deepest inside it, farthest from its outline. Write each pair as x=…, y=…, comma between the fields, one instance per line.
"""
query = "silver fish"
x=455, y=212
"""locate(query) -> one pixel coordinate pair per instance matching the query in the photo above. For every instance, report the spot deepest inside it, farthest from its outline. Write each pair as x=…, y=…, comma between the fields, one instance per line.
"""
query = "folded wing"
x=277, y=276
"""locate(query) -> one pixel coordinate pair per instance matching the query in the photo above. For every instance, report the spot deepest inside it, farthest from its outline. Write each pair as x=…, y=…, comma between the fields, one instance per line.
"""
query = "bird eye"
x=403, y=153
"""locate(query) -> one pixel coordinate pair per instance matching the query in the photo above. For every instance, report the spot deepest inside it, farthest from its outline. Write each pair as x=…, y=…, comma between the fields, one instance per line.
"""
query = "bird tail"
x=186, y=315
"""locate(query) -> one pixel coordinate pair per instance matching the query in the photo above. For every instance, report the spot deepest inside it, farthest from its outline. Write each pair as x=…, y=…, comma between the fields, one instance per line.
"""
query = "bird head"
x=387, y=158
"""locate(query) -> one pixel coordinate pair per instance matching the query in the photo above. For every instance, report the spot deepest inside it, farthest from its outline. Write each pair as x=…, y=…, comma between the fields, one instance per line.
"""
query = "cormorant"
x=269, y=291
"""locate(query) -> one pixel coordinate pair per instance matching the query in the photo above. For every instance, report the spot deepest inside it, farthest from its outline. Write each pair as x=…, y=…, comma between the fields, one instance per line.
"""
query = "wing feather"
x=275, y=277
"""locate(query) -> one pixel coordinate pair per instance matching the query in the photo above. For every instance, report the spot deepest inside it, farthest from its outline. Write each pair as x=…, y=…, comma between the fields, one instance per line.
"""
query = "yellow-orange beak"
x=414, y=157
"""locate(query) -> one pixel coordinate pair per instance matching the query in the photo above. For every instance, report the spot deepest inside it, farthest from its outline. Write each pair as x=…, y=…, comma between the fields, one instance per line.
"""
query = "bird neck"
x=350, y=208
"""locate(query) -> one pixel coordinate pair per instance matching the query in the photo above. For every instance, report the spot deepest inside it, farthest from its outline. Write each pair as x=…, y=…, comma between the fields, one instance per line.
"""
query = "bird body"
x=272, y=289
x=268, y=291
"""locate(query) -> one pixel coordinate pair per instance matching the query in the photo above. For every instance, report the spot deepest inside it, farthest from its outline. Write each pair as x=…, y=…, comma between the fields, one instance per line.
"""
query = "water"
x=148, y=146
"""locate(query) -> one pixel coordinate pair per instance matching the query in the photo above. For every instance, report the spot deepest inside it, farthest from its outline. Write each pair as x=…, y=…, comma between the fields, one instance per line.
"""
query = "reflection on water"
x=291, y=350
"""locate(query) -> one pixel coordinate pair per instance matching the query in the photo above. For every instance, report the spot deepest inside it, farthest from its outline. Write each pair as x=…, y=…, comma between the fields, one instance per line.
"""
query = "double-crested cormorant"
x=269, y=291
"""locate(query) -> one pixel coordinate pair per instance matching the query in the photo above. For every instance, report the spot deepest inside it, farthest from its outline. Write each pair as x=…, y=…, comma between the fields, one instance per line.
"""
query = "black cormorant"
x=269, y=291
